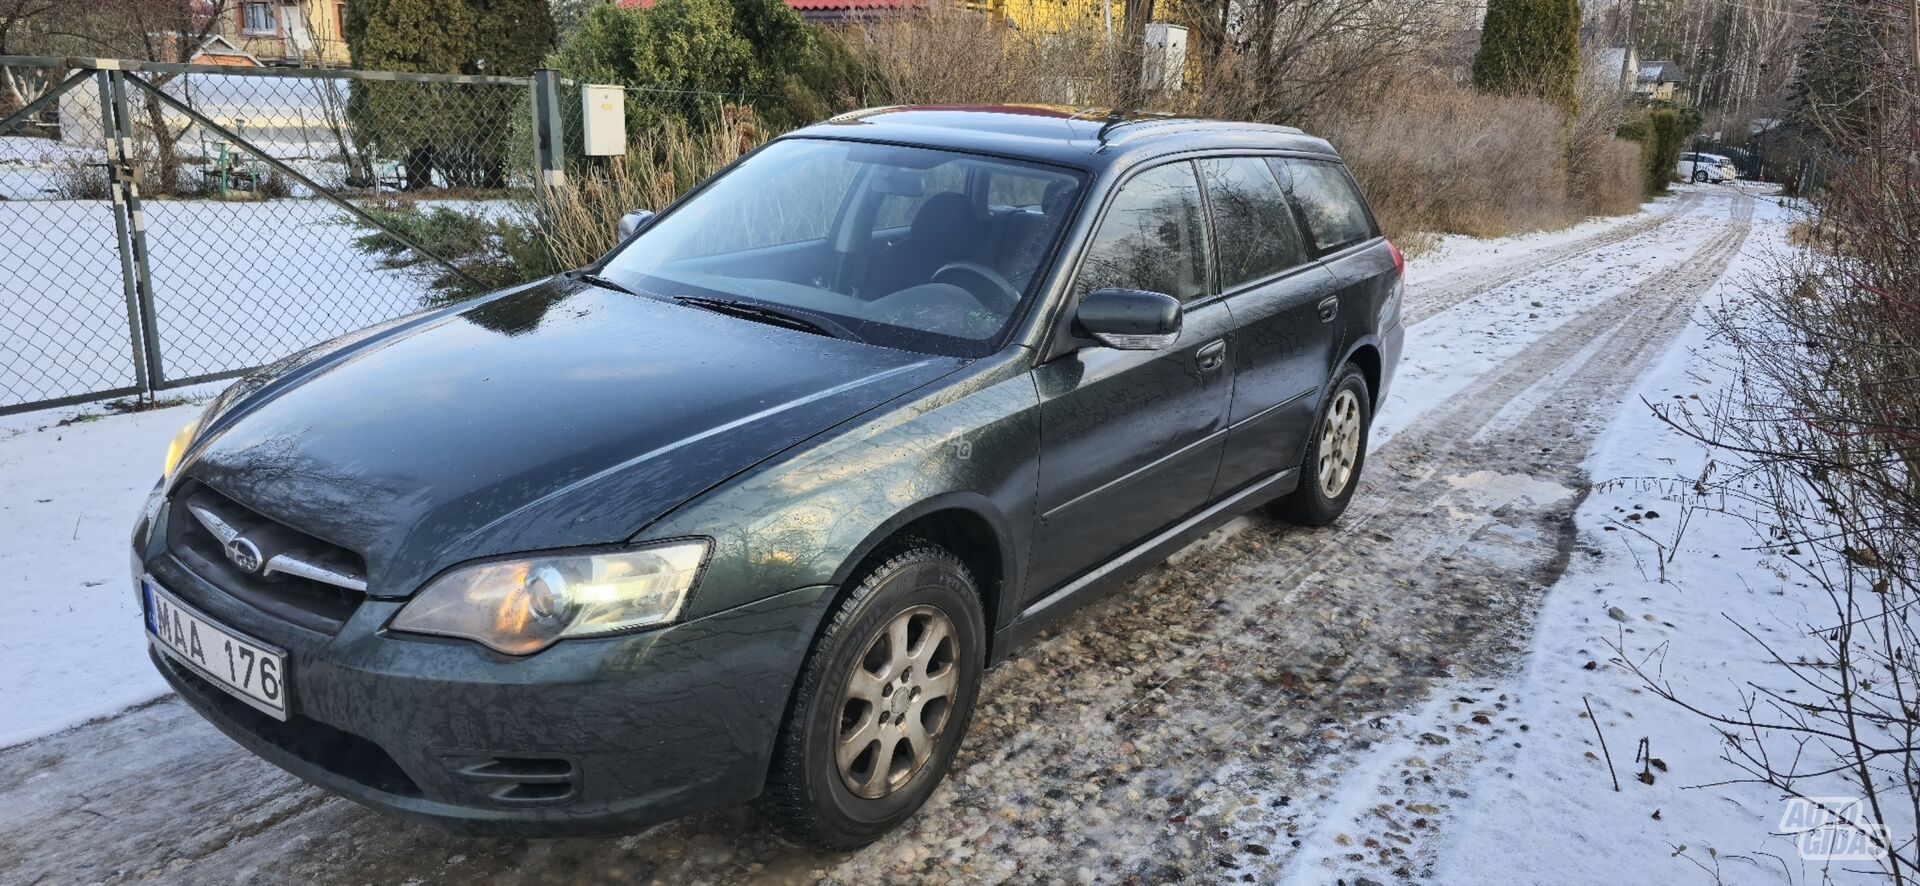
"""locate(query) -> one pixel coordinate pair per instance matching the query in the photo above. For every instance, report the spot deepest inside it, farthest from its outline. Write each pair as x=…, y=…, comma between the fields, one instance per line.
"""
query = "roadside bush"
x=1606, y=177
x=1662, y=133
x=1482, y=165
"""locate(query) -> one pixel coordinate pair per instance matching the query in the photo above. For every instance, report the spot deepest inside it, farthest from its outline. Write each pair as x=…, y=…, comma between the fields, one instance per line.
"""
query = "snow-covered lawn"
x=70, y=643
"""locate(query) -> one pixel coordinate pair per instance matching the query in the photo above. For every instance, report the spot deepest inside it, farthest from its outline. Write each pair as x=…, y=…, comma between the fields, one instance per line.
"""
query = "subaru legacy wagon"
x=743, y=510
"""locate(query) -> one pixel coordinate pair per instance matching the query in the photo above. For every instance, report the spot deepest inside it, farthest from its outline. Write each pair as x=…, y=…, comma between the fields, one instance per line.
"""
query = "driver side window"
x=1154, y=237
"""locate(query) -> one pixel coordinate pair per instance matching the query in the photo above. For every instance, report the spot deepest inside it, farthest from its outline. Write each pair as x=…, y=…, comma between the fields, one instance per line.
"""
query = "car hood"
x=556, y=416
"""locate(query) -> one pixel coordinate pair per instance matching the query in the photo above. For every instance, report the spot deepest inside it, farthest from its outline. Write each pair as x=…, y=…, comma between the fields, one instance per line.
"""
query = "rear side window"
x=1328, y=200
x=1153, y=238
x=1253, y=228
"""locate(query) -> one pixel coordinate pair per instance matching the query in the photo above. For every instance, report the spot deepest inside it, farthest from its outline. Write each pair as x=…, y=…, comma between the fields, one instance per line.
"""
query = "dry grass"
x=581, y=220
x=1438, y=158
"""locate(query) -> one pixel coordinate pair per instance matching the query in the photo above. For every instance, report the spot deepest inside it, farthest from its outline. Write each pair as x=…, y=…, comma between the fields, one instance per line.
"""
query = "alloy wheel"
x=897, y=701
x=1339, y=444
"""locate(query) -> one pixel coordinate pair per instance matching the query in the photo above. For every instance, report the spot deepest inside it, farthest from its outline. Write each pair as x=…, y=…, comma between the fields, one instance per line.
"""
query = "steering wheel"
x=997, y=294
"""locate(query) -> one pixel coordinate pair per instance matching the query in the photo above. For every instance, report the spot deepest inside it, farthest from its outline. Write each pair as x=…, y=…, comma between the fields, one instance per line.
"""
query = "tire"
x=1700, y=178
x=1346, y=416
x=813, y=795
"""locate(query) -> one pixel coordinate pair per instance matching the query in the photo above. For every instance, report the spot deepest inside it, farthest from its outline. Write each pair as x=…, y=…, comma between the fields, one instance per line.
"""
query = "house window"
x=257, y=18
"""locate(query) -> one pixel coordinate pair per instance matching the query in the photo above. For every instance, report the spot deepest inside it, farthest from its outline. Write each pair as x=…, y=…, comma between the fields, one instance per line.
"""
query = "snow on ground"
x=70, y=641
x=1454, y=348
x=1505, y=781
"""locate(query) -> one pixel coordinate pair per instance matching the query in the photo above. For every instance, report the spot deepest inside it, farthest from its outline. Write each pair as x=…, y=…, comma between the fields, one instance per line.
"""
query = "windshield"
x=910, y=248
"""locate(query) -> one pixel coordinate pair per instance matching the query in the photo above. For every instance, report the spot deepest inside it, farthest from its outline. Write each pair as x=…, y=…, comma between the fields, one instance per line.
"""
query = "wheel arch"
x=968, y=526
x=1366, y=355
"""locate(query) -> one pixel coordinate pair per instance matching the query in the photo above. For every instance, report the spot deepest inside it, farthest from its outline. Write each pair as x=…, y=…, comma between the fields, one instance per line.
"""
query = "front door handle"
x=1329, y=307
x=1211, y=355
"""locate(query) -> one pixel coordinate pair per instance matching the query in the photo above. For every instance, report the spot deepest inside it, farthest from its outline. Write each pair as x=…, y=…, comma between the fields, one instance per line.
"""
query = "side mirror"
x=634, y=221
x=1130, y=319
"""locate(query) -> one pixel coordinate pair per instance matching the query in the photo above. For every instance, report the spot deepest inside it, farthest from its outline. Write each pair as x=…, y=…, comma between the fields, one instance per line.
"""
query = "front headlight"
x=178, y=448
x=523, y=606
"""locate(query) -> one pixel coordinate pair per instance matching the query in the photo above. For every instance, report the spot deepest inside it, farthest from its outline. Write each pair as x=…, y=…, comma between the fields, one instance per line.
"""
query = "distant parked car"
x=745, y=508
x=1701, y=168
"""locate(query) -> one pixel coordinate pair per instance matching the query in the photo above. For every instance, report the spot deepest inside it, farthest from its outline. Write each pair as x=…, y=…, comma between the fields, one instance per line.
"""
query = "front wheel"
x=882, y=701
x=1700, y=178
x=1336, y=451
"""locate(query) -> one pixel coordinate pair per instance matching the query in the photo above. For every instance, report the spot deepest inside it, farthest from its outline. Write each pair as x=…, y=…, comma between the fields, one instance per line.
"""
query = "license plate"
x=247, y=669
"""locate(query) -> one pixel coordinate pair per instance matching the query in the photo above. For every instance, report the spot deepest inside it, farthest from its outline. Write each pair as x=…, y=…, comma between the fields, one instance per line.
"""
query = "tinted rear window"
x=1253, y=227
x=1327, y=198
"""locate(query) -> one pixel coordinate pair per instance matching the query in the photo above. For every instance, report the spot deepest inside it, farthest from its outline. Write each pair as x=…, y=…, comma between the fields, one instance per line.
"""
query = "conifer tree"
x=1530, y=47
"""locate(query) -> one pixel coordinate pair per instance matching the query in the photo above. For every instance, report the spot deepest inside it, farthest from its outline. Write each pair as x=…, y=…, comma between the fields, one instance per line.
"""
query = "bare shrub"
x=1284, y=61
x=74, y=180
x=1604, y=176
x=1825, y=422
x=952, y=55
x=1434, y=157
x=1604, y=173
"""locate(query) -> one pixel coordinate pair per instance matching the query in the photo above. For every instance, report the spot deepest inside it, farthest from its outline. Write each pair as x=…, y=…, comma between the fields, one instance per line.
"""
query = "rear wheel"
x=1700, y=177
x=1336, y=451
x=882, y=702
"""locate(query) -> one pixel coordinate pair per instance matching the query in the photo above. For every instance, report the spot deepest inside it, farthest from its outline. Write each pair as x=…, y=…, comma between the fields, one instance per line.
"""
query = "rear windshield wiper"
x=770, y=315
x=597, y=280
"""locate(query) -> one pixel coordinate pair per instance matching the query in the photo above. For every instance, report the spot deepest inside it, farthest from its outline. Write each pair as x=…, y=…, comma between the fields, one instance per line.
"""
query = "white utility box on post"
x=1165, y=63
x=604, y=120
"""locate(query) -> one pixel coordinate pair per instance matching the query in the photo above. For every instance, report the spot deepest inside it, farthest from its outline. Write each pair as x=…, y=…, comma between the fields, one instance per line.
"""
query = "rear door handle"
x=1329, y=307
x=1211, y=355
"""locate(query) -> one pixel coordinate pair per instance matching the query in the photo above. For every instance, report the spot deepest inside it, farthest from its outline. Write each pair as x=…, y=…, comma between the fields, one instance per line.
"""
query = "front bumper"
x=605, y=735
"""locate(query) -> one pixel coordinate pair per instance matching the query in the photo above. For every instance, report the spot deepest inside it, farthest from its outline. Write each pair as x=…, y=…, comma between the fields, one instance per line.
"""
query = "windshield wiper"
x=770, y=315
x=597, y=280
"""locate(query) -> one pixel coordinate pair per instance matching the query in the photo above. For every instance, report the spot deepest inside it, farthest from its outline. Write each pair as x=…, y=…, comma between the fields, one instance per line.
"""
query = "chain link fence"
x=173, y=224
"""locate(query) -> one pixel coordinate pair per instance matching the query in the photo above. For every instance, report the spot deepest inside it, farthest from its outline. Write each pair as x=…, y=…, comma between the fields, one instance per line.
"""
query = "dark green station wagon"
x=745, y=509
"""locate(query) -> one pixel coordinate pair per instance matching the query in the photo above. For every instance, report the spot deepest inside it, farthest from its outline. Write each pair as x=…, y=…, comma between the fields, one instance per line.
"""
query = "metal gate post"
x=549, y=146
x=123, y=230
x=127, y=174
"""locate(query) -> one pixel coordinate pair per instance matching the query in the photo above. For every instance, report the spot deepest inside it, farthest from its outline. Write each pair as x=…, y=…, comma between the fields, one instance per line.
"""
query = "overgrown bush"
x=1482, y=165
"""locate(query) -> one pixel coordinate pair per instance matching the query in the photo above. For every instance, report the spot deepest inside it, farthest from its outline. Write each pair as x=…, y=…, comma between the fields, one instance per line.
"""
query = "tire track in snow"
x=1133, y=735
x=1425, y=301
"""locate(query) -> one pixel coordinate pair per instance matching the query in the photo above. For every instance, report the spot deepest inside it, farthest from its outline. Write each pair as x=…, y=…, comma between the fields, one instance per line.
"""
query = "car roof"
x=1090, y=138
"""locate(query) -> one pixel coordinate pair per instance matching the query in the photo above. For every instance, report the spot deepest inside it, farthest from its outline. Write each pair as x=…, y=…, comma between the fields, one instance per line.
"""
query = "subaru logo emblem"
x=244, y=554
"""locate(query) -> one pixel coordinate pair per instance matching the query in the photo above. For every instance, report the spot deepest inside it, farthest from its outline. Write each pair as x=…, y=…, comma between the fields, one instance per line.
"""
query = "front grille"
x=288, y=592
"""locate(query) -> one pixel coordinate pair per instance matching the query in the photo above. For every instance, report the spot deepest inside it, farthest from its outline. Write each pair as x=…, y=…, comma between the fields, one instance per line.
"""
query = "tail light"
x=1399, y=261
